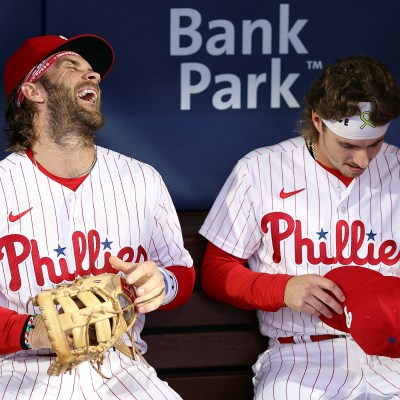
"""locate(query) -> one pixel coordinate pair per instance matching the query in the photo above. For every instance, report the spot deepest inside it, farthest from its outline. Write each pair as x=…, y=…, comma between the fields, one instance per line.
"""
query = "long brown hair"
x=20, y=134
x=343, y=85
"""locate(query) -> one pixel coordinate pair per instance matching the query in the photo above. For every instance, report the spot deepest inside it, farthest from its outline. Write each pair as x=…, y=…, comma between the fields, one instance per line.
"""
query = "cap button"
x=392, y=340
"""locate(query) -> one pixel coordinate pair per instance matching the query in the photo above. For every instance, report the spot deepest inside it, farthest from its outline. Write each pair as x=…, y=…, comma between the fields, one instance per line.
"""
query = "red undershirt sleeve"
x=185, y=279
x=228, y=279
x=11, y=326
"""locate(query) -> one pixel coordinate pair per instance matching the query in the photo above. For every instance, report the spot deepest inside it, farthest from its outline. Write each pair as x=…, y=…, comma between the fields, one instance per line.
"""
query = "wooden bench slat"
x=222, y=386
x=200, y=311
x=204, y=349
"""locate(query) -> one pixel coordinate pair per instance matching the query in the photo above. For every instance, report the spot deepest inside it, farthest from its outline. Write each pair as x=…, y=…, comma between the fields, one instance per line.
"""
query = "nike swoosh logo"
x=14, y=218
x=285, y=195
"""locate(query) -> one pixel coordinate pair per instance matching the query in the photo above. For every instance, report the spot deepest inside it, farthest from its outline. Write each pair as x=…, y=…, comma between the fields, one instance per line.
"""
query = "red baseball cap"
x=371, y=309
x=95, y=50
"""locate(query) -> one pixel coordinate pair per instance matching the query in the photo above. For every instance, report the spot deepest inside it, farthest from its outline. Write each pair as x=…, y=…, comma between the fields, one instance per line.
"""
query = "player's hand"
x=39, y=338
x=310, y=293
x=148, y=281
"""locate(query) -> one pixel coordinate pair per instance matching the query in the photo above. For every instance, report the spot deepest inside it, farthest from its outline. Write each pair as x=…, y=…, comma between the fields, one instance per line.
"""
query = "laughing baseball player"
x=290, y=213
x=72, y=209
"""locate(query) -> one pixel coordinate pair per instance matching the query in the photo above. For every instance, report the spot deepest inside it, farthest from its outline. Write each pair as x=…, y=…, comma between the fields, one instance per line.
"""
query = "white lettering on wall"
x=189, y=35
x=197, y=78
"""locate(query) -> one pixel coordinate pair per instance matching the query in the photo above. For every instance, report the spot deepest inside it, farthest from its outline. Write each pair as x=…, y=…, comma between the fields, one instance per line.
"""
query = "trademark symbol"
x=314, y=64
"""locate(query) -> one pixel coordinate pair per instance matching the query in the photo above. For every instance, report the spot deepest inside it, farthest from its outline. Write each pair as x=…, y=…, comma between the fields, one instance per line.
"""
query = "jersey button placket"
x=77, y=210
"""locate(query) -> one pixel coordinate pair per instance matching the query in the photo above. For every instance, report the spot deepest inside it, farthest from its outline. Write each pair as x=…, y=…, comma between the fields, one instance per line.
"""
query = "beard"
x=69, y=122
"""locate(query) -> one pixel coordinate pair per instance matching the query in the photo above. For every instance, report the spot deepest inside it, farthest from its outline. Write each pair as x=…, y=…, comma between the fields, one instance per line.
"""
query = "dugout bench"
x=205, y=348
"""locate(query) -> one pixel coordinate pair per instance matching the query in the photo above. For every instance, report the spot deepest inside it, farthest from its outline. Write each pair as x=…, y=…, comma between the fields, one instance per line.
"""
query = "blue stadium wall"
x=198, y=84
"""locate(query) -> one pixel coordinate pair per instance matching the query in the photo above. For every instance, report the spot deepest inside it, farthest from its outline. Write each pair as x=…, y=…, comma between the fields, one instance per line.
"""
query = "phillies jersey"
x=51, y=235
x=287, y=214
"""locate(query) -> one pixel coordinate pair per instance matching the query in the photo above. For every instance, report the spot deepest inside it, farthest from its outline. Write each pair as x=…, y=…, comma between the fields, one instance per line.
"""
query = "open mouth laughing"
x=88, y=94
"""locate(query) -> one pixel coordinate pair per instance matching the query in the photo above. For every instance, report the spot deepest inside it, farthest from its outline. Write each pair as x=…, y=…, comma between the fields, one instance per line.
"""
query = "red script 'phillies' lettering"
x=86, y=250
x=282, y=227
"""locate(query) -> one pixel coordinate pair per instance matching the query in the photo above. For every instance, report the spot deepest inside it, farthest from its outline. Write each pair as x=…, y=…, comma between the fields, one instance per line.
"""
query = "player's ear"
x=33, y=92
x=317, y=121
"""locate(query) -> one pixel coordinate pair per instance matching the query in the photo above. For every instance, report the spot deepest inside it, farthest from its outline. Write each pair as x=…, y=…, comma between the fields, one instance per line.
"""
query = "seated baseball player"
x=72, y=209
x=290, y=213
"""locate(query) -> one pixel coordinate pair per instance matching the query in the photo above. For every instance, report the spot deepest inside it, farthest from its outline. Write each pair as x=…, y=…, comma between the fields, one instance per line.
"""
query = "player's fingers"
x=311, y=305
x=325, y=303
x=142, y=273
x=315, y=292
x=151, y=301
x=330, y=304
x=154, y=296
x=332, y=295
x=136, y=274
x=326, y=297
x=320, y=308
x=151, y=283
x=151, y=293
x=123, y=266
x=310, y=310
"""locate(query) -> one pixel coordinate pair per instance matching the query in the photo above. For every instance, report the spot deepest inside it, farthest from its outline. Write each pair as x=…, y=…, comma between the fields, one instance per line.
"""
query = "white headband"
x=357, y=127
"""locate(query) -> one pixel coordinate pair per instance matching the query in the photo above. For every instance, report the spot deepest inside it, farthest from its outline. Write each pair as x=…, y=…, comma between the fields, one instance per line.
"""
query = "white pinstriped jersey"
x=286, y=214
x=51, y=234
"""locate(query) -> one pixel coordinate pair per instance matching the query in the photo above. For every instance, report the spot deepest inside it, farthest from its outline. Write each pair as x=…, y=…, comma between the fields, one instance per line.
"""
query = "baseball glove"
x=87, y=317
